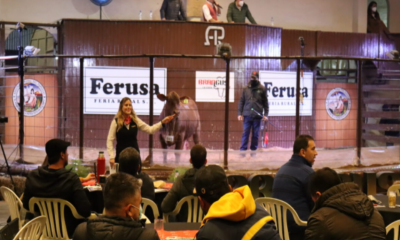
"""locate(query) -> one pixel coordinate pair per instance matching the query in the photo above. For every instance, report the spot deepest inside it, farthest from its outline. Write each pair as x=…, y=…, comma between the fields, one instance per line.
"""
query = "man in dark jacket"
x=130, y=162
x=341, y=210
x=172, y=10
x=183, y=185
x=252, y=103
x=291, y=183
x=122, y=201
x=230, y=215
x=238, y=11
x=54, y=181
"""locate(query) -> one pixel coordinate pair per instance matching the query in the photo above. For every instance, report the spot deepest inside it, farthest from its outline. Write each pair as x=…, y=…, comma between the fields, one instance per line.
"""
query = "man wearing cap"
x=54, y=181
x=253, y=107
x=230, y=214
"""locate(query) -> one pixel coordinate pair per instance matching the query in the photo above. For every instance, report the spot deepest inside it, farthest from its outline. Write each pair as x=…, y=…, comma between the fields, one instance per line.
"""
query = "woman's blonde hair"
x=120, y=116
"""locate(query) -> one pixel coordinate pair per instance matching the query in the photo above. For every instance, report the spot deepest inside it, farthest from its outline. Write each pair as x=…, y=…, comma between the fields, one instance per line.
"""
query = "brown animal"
x=185, y=124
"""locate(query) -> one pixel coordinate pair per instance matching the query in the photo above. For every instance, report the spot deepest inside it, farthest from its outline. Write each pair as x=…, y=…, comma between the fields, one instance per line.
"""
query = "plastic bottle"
x=140, y=15
x=272, y=21
x=101, y=165
x=151, y=15
x=176, y=175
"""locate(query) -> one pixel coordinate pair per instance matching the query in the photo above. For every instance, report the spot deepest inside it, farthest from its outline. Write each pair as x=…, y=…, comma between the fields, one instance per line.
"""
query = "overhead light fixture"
x=31, y=51
x=394, y=54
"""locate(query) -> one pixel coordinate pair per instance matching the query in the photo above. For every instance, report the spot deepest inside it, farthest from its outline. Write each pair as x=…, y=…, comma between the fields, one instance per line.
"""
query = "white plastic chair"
x=278, y=210
x=148, y=203
x=195, y=213
x=395, y=188
x=395, y=226
x=14, y=204
x=53, y=209
x=33, y=230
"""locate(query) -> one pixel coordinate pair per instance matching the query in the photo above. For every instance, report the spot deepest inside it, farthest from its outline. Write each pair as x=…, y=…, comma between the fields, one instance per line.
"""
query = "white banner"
x=281, y=92
x=210, y=86
x=106, y=86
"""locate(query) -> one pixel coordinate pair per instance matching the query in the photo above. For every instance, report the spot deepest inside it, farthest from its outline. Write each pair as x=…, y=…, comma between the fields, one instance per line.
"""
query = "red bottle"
x=101, y=166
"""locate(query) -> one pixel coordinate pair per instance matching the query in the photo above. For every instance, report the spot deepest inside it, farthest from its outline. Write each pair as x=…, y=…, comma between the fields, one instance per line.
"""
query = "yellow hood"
x=234, y=206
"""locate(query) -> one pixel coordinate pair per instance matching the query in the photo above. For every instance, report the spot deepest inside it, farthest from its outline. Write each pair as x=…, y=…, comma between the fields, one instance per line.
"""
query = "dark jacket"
x=147, y=187
x=114, y=228
x=375, y=25
x=49, y=183
x=239, y=16
x=173, y=10
x=344, y=212
x=291, y=185
x=183, y=186
x=233, y=215
x=253, y=97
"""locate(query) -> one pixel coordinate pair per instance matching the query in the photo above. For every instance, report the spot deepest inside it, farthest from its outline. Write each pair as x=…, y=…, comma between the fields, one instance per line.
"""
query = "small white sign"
x=281, y=92
x=106, y=86
x=210, y=86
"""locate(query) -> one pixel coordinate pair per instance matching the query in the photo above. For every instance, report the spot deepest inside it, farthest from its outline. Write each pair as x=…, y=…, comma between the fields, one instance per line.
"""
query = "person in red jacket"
x=211, y=11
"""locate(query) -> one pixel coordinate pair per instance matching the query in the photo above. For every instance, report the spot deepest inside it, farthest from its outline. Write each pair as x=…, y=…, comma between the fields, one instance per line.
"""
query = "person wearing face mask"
x=375, y=24
x=54, y=181
x=238, y=11
x=123, y=213
x=252, y=103
x=124, y=128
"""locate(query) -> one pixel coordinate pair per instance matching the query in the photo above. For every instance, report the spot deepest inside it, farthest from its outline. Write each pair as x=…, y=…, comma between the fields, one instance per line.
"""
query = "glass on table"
x=159, y=227
x=392, y=199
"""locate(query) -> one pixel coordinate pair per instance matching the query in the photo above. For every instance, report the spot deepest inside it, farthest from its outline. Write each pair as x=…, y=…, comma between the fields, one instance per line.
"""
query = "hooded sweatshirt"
x=236, y=216
x=114, y=228
x=344, y=212
x=61, y=183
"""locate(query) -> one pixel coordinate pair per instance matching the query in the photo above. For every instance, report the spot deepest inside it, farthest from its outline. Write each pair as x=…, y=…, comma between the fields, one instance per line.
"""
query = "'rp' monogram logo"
x=216, y=38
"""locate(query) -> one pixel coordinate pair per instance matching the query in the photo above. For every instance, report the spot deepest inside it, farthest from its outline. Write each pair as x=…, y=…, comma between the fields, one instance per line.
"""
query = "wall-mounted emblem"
x=34, y=97
x=214, y=33
x=338, y=103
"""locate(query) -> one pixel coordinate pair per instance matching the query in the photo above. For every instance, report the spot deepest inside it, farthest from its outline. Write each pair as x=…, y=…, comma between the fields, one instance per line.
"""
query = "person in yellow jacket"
x=230, y=214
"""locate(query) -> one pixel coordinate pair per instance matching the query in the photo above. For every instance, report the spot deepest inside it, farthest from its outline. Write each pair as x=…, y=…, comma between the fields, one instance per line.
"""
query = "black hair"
x=301, y=142
x=55, y=158
x=119, y=187
x=217, y=192
x=129, y=161
x=198, y=154
x=370, y=11
x=322, y=180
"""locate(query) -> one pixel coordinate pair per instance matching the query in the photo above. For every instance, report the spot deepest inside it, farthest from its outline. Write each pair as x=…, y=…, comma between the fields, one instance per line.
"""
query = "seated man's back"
x=341, y=210
x=57, y=182
x=114, y=227
x=183, y=185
